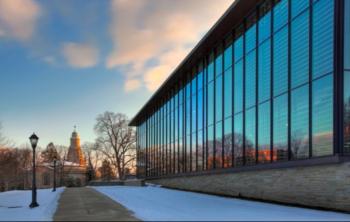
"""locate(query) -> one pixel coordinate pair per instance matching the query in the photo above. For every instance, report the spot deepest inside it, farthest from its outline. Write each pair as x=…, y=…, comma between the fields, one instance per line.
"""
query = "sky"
x=62, y=63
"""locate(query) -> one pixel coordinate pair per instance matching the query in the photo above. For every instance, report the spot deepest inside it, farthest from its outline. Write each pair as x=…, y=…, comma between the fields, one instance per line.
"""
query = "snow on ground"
x=14, y=205
x=160, y=204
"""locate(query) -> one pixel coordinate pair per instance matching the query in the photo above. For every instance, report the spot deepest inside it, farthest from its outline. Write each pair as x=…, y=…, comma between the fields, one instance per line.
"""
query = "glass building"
x=268, y=85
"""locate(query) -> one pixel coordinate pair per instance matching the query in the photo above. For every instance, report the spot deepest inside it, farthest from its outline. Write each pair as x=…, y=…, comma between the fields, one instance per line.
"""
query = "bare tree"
x=116, y=140
x=93, y=156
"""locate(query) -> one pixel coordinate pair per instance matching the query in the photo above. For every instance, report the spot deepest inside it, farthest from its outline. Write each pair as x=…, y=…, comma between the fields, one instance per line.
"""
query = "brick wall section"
x=324, y=186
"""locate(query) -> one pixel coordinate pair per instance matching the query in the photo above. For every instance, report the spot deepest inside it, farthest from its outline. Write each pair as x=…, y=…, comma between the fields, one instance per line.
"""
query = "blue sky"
x=64, y=62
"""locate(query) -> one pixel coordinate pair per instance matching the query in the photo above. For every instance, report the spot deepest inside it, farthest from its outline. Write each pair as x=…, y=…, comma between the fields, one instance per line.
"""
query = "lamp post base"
x=33, y=204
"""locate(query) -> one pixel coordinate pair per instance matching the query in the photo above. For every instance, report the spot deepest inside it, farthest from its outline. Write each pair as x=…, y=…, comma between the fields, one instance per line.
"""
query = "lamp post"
x=33, y=141
x=54, y=174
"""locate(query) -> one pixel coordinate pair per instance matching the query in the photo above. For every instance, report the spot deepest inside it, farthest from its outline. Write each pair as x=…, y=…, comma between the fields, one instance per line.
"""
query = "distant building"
x=69, y=172
x=74, y=167
x=260, y=108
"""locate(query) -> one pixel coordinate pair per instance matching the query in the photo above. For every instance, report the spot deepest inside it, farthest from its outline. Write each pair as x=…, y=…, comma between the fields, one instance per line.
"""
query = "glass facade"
x=264, y=94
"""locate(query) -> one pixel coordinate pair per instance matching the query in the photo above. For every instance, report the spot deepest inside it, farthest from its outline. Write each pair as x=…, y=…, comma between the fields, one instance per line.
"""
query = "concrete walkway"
x=87, y=204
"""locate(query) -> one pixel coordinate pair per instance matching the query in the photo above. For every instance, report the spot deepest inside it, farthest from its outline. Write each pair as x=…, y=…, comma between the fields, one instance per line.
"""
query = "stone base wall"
x=323, y=186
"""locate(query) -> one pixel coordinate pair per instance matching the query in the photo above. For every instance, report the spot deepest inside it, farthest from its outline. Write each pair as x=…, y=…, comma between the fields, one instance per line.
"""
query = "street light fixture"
x=34, y=142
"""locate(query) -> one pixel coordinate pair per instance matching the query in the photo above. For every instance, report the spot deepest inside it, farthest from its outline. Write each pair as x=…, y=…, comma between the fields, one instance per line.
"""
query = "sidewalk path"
x=86, y=204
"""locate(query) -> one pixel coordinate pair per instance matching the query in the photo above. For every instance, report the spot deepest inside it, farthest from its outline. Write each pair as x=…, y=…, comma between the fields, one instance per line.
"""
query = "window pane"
x=298, y=6
x=228, y=143
x=300, y=49
x=211, y=67
x=250, y=81
x=250, y=38
x=280, y=61
x=238, y=140
x=194, y=113
x=265, y=27
x=347, y=35
x=322, y=116
x=280, y=128
x=280, y=17
x=200, y=109
x=211, y=103
x=264, y=72
x=218, y=145
x=300, y=123
x=188, y=153
x=264, y=132
x=200, y=151
x=228, y=57
x=323, y=24
x=238, y=87
x=218, y=62
x=347, y=112
x=211, y=147
x=188, y=115
x=218, y=99
x=228, y=92
x=250, y=136
x=238, y=49
x=194, y=151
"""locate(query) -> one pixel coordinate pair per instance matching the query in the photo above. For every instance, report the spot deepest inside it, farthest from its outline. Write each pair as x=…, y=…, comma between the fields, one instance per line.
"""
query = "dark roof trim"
x=233, y=16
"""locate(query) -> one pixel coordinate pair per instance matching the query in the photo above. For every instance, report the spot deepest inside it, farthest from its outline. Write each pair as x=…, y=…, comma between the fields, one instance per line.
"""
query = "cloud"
x=18, y=18
x=131, y=85
x=160, y=33
x=80, y=55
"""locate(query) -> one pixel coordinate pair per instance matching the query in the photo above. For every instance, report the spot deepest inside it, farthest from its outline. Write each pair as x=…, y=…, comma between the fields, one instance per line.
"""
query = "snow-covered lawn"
x=14, y=205
x=155, y=203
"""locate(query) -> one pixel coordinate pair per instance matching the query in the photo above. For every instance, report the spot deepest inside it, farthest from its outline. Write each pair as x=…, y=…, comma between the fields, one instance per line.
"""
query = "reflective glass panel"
x=347, y=35
x=264, y=71
x=280, y=14
x=300, y=123
x=264, y=132
x=250, y=132
x=265, y=27
x=322, y=37
x=300, y=49
x=250, y=81
x=280, y=128
x=200, y=109
x=200, y=151
x=228, y=57
x=347, y=112
x=218, y=63
x=210, y=147
x=218, y=98
x=211, y=103
x=228, y=92
x=218, y=145
x=194, y=151
x=298, y=6
x=280, y=61
x=238, y=139
x=228, y=140
x=322, y=116
x=238, y=87
x=194, y=113
x=238, y=46
x=250, y=38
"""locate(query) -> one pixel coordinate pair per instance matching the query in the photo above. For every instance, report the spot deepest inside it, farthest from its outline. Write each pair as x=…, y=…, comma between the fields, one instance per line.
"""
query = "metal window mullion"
x=257, y=46
x=272, y=81
x=338, y=85
x=310, y=74
x=289, y=78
